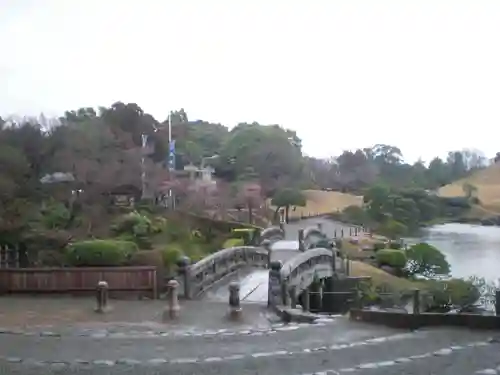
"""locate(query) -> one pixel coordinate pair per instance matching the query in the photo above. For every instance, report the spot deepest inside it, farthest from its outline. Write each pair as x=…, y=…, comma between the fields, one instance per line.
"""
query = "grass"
x=380, y=277
x=323, y=202
x=487, y=182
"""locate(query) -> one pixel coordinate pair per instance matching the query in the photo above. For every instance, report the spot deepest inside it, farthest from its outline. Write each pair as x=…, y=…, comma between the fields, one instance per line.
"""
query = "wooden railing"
x=78, y=280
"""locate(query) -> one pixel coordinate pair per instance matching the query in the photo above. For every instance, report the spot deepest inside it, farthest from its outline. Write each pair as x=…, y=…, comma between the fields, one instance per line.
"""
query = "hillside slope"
x=323, y=202
x=487, y=183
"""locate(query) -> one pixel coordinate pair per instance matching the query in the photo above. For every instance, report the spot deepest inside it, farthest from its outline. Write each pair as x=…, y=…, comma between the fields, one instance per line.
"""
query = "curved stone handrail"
x=312, y=235
x=272, y=233
x=301, y=270
x=210, y=270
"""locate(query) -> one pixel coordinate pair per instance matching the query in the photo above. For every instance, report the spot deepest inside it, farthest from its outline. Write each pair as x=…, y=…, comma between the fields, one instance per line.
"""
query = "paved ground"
x=331, y=347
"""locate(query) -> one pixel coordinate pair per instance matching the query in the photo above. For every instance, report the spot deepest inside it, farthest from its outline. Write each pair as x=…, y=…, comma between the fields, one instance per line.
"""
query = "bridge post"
x=320, y=227
x=306, y=300
x=301, y=240
x=234, y=301
x=497, y=302
x=293, y=296
x=274, y=287
x=183, y=263
x=266, y=244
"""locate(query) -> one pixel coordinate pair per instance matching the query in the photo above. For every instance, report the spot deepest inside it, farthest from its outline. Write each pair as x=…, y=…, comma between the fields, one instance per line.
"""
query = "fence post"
x=274, y=286
x=416, y=301
x=102, y=295
x=497, y=302
x=234, y=301
x=173, y=301
x=301, y=240
x=184, y=264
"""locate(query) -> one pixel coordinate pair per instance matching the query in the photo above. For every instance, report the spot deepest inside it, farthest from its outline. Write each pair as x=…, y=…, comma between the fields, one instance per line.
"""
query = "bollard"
x=266, y=244
x=293, y=296
x=235, y=311
x=102, y=294
x=274, y=285
x=416, y=301
x=173, y=308
x=183, y=265
x=497, y=303
x=301, y=240
x=306, y=300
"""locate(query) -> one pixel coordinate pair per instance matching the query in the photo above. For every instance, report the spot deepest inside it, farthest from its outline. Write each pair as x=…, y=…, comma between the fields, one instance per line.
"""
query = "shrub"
x=233, y=242
x=453, y=293
x=136, y=227
x=392, y=258
x=395, y=245
x=425, y=259
x=378, y=246
x=171, y=254
x=147, y=258
x=100, y=253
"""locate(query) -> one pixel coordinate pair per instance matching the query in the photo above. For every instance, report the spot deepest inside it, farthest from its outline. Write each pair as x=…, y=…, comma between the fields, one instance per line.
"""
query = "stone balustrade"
x=300, y=271
x=211, y=270
x=312, y=235
x=272, y=234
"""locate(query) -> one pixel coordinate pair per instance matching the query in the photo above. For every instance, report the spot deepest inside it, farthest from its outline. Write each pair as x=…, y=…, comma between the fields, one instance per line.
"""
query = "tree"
x=426, y=260
x=286, y=198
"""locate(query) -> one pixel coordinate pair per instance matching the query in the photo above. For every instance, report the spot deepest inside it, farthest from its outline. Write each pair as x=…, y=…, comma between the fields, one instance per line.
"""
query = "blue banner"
x=171, y=155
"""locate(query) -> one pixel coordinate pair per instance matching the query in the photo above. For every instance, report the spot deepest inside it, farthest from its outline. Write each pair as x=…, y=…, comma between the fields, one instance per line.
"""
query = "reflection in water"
x=471, y=250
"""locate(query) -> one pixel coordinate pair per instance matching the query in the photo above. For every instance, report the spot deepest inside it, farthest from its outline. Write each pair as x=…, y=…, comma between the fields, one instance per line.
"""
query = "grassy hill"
x=486, y=181
x=323, y=202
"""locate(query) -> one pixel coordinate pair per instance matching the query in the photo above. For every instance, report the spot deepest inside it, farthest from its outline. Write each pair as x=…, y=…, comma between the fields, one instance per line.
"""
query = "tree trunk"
x=287, y=214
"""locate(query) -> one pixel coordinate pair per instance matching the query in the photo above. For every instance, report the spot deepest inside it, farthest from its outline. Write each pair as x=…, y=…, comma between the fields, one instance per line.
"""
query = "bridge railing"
x=209, y=271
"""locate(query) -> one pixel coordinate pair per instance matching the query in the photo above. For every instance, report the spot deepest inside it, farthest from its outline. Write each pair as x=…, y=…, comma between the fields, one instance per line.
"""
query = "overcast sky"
x=422, y=75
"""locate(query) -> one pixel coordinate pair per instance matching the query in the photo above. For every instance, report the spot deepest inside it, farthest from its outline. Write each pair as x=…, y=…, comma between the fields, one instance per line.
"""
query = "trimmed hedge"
x=233, y=242
x=100, y=253
x=392, y=258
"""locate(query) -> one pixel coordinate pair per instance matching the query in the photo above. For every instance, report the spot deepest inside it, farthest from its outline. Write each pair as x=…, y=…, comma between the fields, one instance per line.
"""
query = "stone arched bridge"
x=209, y=277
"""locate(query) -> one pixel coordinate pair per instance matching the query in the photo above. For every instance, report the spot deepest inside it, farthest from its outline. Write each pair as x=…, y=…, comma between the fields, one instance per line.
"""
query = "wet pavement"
x=334, y=347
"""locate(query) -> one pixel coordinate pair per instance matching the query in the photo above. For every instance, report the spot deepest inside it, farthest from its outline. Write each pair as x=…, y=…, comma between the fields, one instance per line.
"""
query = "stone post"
x=266, y=244
x=184, y=263
x=416, y=301
x=306, y=300
x=173, y=308
x=234, y=301
x=293, y=296
x=497, y=303
x=274, y=286
x=320, y=227
x=301, y=240
x=102, y=295
x=285, y=293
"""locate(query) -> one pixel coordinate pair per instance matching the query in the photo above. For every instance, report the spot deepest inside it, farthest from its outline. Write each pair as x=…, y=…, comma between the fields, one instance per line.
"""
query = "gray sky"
x=423, y=75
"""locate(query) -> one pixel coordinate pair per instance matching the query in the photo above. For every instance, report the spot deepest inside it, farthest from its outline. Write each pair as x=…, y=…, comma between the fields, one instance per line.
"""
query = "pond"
x=471, y=250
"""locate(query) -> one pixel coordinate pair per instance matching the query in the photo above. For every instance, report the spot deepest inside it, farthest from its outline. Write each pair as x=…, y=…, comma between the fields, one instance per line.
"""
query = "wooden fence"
x=79, y=280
